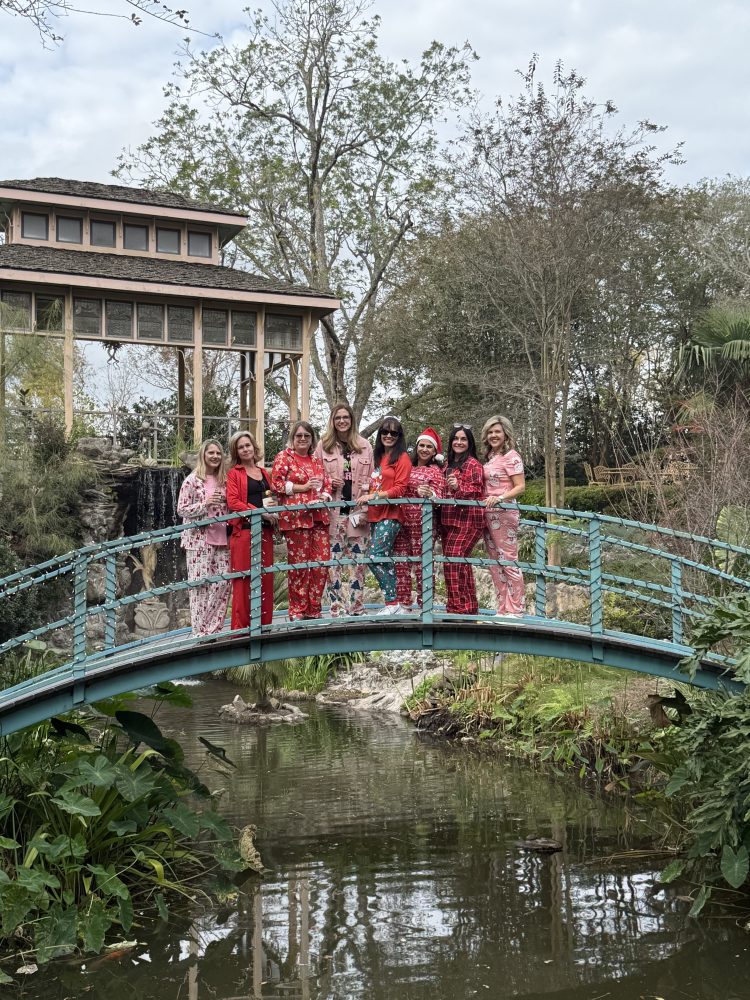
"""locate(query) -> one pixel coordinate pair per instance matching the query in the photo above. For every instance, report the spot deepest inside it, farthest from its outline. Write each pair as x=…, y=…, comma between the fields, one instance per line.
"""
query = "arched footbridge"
x=622, y=593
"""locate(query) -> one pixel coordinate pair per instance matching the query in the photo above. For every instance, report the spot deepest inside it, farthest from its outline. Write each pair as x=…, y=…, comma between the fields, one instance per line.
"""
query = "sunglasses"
x=389, y=433
x=462, y=427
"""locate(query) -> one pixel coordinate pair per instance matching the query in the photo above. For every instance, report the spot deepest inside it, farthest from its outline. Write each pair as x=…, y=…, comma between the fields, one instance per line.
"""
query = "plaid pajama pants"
x=408, y=543
x=461, y=591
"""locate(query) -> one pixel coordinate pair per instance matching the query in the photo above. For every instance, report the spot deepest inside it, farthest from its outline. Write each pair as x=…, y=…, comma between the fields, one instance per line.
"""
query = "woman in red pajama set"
x=247, y=483
x=298, y=477
x=461, y=527
x=425, y=480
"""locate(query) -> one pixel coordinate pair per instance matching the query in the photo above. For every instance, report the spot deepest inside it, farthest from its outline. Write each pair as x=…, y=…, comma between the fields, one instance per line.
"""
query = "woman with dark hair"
x=504, y=482
x=389, y=481
x=247, y=484
x=298, y=477
x=202, y=495
x=347, y=460
x=461, y=527
x=426, y=480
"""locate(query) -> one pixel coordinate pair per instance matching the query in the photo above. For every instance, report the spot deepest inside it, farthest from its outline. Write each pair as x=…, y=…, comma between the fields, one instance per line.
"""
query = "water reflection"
x=395, y=874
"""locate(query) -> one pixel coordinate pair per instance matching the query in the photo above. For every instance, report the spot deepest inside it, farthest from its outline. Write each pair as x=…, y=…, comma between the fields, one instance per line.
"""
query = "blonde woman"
x=247, y=484
x=504, y=482
x=203, y=495
x=347, y=460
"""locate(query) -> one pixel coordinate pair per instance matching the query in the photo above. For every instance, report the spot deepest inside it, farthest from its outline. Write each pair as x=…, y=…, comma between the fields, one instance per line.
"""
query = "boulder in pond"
x=261, y=714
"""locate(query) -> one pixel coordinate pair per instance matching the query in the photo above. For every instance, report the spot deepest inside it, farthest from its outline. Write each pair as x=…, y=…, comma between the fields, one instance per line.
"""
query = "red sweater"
x=392, y=482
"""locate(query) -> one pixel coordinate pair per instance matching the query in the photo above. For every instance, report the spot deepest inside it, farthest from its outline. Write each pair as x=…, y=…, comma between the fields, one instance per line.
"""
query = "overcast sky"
x=682, y=63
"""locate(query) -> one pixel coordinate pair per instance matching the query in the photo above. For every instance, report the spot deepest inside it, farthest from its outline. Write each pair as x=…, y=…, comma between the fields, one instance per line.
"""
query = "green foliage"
x=19, y=612
x=96, y=827
x=304, y=673
x=599, y=499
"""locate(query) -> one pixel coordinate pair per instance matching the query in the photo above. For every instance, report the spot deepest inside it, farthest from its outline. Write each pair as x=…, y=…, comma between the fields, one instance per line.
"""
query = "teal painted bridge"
x=625, y=594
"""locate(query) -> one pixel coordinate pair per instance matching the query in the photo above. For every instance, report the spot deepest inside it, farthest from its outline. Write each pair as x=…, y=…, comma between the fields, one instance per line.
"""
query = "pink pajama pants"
x=501, y=542
x=208, y=603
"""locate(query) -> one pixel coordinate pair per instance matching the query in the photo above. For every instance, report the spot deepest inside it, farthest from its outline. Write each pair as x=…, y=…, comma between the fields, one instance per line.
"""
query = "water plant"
x=100, y=820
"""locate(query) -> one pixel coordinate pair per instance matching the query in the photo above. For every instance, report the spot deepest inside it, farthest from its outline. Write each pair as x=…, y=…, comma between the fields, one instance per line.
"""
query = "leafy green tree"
x=329, y=147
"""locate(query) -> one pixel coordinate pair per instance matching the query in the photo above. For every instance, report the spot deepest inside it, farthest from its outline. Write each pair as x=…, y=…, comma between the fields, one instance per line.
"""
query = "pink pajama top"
x=498, y=472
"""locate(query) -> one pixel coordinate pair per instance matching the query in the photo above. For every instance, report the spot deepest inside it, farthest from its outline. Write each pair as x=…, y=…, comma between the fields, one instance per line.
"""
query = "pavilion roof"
x=152, y=270
x=115, y=192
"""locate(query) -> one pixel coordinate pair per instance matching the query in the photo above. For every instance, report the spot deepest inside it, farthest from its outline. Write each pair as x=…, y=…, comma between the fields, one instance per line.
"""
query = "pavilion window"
x=199, y=244
x=243, y=328
x=15, y=313
x=50, y=312
x=119, y=319
x=134, y=237
x=102, y=234
x=168, y=240
x=69, y=230
x=87, y=317
x=215, y=322
x=150, y=321
x=180, y=324
x=34, y=226
x=283, y=333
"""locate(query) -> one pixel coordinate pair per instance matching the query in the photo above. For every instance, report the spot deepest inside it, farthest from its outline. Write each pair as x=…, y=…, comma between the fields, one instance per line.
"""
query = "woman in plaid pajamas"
x=203, y=495
x=389, y=481
x=461, y=527
x=298, y=477
x=504, y=481
x=425, y=480
x=347, y=460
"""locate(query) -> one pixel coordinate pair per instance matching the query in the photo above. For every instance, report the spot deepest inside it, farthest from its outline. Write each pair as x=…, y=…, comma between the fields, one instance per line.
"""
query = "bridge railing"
x=655, y=580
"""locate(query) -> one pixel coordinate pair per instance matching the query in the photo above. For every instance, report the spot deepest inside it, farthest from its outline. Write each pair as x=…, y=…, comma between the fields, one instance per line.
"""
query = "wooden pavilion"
x=121, y=265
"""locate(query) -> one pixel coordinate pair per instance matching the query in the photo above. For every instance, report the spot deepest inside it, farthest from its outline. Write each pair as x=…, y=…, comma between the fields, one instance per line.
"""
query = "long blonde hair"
x=200, y=465
x=235, y=440
x=353, y=440
x=507, y=427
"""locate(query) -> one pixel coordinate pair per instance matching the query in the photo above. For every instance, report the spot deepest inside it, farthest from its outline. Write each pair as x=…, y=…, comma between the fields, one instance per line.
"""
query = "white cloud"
x=69, y=111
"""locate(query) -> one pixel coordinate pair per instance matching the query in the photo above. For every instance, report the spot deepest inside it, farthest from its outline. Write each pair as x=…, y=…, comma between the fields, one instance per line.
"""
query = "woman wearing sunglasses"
x=461, y=527
x=347, y=460
x=504, y=482
x=389, y=481
x=298, y=478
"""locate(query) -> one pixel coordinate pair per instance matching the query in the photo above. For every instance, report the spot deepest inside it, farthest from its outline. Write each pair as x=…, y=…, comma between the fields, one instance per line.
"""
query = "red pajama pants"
x=408, y=543
x=239, y=558
x=306, y=586
x=461, y=591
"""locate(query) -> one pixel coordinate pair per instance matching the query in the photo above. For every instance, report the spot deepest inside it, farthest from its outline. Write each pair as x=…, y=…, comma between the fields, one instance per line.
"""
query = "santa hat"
x=432, y=437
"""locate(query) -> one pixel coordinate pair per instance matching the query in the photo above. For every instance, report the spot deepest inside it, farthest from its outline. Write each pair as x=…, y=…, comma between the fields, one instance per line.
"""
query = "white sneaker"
x=401, y=610
x=389, y=609
x=512, y=614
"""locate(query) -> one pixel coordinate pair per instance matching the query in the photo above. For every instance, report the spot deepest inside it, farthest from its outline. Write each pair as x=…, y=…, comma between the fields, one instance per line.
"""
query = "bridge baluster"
x=80, y=580
x=428, y=563
x=256, y=572
x=540, y=559
x=595, y=576
x=110, y=594
x=676, y=581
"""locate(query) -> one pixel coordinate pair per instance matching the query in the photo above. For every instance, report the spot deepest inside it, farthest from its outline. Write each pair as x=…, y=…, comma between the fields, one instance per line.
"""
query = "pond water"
x=395, y=875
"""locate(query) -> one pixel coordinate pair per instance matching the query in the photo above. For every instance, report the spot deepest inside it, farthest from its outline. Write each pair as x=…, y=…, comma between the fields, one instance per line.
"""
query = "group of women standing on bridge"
x=344, y=466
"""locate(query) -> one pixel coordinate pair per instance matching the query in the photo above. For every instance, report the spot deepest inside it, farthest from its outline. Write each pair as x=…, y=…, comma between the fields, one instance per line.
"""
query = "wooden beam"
x=68, y=357
x=181, y=407
x=309, y=328
x=293, y=390
x=198, y=375
x=260, y=388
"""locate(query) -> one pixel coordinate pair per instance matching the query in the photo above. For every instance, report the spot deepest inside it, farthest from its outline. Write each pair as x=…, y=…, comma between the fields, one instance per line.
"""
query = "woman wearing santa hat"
x=426, y=480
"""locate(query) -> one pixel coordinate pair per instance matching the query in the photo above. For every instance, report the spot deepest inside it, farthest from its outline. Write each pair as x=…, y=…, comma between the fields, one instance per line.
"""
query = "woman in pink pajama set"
x=504, y=481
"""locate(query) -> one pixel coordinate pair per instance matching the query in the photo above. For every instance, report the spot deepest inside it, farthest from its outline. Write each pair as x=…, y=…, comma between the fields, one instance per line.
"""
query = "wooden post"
x=293, y=390
x=181, y=408
x=68, y=356
x=309, y=327
x=260, y=373
x=198, y=376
